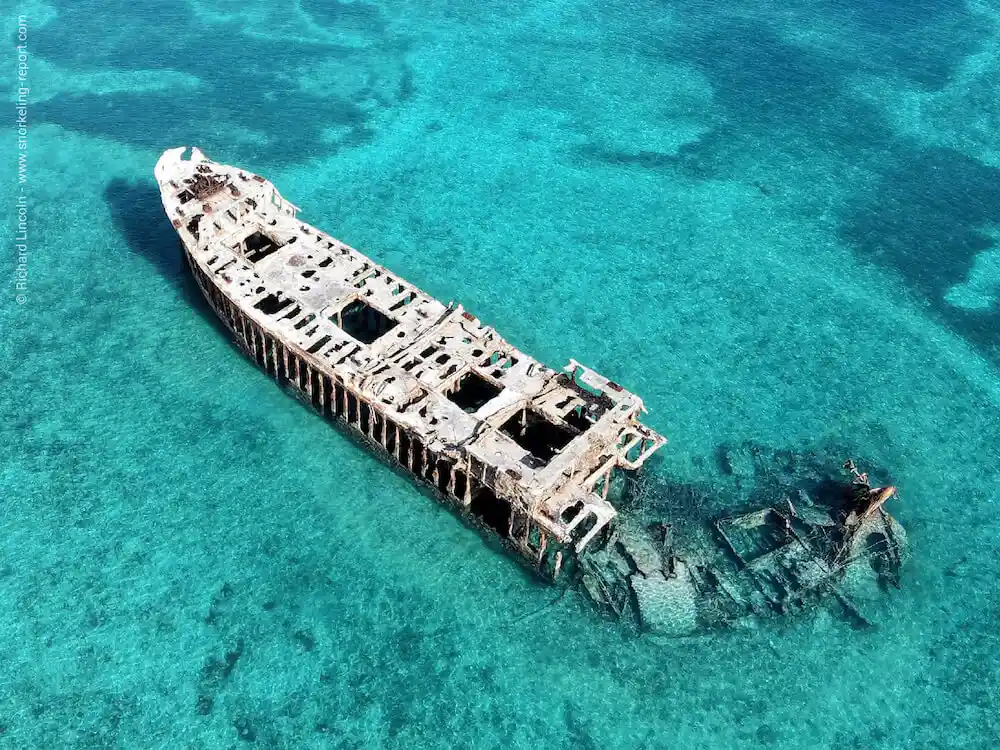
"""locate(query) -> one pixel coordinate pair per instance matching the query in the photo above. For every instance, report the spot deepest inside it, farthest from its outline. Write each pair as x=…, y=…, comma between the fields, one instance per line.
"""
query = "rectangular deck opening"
x=363, y=322
x=581, y=418
x=472, y=392
x=258, y=246
x=272, y=304
x=319, y=344
x=537, y=435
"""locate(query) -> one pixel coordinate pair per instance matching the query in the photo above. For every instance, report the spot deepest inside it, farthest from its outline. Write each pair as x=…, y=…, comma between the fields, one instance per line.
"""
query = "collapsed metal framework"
x=836, y=548
x=520, y=448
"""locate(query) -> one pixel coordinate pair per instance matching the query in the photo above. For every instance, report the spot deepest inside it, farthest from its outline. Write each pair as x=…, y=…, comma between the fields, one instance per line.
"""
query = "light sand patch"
x=929, y=117
x=981, y=289
x=49, y=81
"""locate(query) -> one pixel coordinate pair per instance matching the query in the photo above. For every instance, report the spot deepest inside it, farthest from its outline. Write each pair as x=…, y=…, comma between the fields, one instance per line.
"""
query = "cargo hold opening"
x=363, y=322
x=472, y=392
x=537, y=435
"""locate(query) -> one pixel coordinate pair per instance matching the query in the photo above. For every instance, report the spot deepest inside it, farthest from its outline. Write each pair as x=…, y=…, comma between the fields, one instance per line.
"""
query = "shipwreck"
x=520, y=449
x=536, y=457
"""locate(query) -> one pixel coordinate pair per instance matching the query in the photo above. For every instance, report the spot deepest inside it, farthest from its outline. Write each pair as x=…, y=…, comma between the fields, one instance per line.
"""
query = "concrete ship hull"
x=522, y=450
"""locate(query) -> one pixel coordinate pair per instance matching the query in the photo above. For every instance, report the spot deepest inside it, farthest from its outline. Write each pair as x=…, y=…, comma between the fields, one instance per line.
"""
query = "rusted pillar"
x=249, y=339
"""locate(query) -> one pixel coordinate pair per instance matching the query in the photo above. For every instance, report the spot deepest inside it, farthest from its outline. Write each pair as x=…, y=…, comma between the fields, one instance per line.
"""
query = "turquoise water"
x=777, y=222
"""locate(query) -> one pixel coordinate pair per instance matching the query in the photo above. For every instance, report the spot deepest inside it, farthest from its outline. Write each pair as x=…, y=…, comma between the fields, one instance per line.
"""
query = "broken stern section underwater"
x=523, y=450
x=680, y=561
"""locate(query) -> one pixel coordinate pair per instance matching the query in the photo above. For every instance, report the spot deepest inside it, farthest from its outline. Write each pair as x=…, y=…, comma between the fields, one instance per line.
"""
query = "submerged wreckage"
x=832, y=547
x=525, y=451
